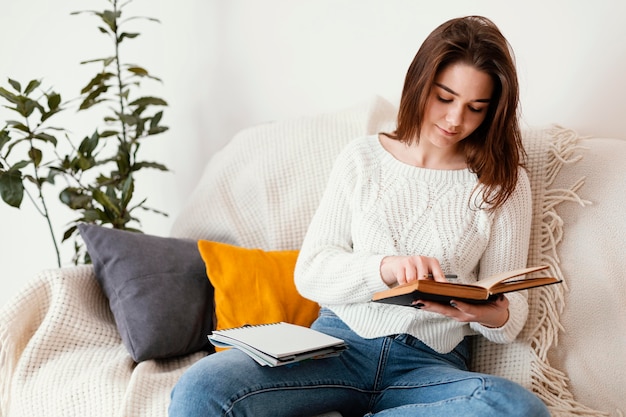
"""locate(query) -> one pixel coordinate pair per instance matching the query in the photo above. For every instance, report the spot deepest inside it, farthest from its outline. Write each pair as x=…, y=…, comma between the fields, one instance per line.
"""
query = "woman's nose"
x=454, y=116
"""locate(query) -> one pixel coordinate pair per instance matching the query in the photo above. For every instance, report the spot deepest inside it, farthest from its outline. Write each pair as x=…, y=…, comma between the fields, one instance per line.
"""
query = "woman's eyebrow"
x=454, y=93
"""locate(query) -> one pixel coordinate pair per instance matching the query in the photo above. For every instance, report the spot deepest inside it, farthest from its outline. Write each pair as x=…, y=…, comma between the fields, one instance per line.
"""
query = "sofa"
x=112, y=338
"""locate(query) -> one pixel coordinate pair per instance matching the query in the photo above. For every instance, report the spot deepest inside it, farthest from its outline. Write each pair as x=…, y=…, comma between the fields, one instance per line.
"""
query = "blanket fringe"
x=548, y=383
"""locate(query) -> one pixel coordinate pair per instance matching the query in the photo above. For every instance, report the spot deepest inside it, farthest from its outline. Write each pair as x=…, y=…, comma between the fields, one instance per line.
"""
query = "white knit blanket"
x=61, y=354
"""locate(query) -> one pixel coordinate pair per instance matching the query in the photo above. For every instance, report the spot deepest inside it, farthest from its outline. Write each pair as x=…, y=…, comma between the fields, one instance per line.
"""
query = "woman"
x=444, y=193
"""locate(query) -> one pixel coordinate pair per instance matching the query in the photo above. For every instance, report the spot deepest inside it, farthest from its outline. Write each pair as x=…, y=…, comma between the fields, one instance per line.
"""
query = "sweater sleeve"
x=328, y=271
x=507, y=250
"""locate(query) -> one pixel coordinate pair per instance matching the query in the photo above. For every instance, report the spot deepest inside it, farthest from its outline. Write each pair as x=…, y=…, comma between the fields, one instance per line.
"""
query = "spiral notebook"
x=279, y=344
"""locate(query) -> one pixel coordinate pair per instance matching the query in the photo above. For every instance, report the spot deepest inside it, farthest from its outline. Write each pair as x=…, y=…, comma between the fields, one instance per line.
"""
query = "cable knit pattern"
x=375, y=206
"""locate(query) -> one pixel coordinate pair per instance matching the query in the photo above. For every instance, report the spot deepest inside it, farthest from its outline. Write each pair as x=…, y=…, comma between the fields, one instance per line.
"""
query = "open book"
x=482, y=291
x=279, y=344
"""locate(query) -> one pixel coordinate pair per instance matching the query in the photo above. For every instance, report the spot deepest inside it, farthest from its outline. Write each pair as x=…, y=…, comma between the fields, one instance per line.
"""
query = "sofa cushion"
x=253, y=286
x=157, y=290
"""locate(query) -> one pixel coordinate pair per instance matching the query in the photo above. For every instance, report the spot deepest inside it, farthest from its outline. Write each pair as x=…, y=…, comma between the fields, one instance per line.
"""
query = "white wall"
x=229, y=64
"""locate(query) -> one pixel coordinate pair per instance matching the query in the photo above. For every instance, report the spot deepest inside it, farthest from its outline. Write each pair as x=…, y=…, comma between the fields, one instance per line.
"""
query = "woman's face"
x=457, y=105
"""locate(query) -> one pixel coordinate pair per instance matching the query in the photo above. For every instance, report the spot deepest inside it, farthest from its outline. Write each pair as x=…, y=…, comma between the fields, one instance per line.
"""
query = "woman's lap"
x=397, y=374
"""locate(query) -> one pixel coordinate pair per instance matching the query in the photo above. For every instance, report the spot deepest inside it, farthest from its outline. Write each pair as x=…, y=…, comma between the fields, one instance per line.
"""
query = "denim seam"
x=380, y=370
x=234, y=402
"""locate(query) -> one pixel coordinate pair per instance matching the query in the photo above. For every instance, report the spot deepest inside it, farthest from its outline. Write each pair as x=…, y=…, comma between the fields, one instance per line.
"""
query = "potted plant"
x=94, y=175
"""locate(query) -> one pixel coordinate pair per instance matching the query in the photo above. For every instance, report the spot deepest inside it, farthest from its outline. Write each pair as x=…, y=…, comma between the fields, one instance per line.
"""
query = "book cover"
x=279, y=343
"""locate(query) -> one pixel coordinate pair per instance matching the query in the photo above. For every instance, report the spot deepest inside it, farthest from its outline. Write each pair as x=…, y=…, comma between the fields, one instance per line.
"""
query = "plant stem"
x=47, y=216
x=44, y=207
x=120, y=85
x=46, y=213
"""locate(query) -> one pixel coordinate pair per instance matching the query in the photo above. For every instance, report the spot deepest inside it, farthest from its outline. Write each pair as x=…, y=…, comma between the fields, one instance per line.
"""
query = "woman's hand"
x=402, y=269
x=493, y=314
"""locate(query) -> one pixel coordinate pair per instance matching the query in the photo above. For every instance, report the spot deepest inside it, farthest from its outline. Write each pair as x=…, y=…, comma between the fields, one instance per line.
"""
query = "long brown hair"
x=494, y=151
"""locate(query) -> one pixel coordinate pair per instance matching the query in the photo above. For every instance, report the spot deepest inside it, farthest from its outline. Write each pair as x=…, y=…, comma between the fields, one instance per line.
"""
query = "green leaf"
x=157, y=130
x=35, y=155
x=162, y=213
x=129, y=119
x=69, y=232
x=110, y=18
x=99, y=80
x=19, y=165
x=18, y=126
x=108, y=133
x=150, y=19
x=46, y=115
x=54, y=100
x=85, y=163
x=89, y=144
x=31, y=86
x=26, y=107
x=105, y=201
x=11, y=188
x=93, y=215
x=138, y=71
x=4, y=138
x=75, y=199
x=92, y=98
x=137, y=166
x=52, y=173
x=16, y=85
x=105, y=61
x=149, y=101
x=154, y=122
x=46, y=138
x=9, y=96
x=31, y=179
x=127, y=35
x=127, y=191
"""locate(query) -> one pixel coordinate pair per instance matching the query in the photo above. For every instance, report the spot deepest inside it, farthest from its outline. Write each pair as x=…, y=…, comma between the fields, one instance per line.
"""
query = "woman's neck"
x=423, y=154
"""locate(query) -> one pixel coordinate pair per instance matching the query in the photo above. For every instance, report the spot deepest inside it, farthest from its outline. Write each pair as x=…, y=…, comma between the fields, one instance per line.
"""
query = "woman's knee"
x=202, y=389
x=512, y=399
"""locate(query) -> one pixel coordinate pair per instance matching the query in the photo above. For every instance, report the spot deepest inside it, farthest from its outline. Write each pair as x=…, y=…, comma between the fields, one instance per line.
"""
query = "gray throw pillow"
x=158, y=291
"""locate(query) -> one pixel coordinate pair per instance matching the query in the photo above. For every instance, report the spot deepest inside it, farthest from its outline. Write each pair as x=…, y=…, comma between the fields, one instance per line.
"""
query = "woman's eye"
x=444, y=100
x=475, y=110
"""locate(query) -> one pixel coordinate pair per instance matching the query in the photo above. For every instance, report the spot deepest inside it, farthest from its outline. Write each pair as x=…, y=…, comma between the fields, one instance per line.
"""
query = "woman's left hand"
x=493, y=314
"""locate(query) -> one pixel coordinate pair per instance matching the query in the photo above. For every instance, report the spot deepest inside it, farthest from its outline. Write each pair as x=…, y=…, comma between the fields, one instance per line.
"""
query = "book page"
x=494, y=279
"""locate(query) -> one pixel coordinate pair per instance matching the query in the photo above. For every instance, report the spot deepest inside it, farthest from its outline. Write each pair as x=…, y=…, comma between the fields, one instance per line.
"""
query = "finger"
x=461, y=306
x=410, y=273
x=440, y=308
x=421, y=267
x=423, y=273
x=437, y=273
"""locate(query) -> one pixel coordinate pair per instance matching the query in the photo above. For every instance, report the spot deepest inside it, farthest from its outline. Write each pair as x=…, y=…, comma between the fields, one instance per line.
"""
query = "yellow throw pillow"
x=253, y=286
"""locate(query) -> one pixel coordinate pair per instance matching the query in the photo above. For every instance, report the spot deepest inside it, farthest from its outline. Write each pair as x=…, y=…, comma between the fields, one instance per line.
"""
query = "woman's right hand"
x=402, y=269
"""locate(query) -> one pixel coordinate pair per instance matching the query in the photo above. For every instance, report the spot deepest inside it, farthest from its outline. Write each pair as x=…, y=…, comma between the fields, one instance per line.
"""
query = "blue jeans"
x=386, y=376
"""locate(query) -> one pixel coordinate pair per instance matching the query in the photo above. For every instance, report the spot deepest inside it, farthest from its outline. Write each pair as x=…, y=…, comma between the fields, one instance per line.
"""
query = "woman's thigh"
x=436, y=384
x=466, y=393
x=229, y=383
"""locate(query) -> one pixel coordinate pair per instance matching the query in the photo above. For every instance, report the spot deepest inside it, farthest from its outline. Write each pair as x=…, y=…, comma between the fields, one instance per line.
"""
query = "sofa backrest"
x=262, y=188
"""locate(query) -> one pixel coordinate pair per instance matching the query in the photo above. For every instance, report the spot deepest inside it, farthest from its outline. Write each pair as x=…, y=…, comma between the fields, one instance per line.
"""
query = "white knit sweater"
x=375, y=206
